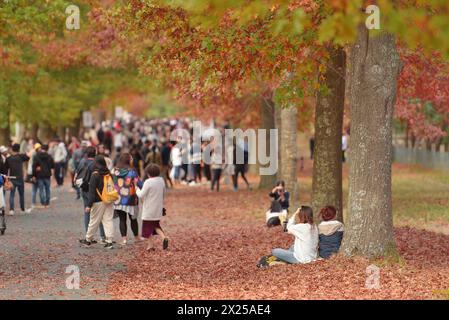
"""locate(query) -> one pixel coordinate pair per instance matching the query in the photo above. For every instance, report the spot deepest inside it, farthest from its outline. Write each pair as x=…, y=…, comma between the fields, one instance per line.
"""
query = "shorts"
x=149, y=228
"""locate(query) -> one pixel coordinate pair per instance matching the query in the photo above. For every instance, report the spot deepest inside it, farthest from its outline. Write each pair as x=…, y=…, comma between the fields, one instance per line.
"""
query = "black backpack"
x=82, y=177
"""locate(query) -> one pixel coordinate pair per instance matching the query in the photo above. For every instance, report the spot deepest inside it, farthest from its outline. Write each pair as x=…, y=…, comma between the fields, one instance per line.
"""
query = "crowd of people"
x=122, y=170
x=140, y=158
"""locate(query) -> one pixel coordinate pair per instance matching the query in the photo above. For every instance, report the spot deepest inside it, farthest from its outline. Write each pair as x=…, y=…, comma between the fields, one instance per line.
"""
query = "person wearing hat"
x=14, y=167
x=330, y=232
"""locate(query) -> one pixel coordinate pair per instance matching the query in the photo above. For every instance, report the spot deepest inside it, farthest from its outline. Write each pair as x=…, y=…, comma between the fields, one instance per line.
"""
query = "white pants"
x=101, y=212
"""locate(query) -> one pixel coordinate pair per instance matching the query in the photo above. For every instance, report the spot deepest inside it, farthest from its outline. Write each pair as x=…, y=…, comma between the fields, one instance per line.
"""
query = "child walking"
x=152, y=195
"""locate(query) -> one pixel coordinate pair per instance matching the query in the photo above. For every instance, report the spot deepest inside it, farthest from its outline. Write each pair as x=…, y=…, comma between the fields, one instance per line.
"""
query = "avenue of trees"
x=274, y=63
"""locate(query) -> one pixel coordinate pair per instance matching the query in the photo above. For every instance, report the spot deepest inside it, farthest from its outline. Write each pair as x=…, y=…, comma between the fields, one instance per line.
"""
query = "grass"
x=420, y=196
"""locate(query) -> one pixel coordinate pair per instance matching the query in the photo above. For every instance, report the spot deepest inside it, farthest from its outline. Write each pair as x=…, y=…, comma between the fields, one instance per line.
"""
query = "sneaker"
x=103, y=241
x=165, y=244
x=28, y=211
x=124, y=242
x=85, y=243
x=94, y=241
x=109, y=245
x=11, y=213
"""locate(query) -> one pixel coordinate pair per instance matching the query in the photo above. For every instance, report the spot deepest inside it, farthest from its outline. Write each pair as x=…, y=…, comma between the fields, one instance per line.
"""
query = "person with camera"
x=304, y=248
x=281, y=197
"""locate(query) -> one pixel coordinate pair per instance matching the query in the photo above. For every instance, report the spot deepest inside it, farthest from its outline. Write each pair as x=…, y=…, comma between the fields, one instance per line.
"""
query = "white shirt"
x=60, y=153
x=176, y=157
x=152, y=196
x=118, y=140
x=344, y=143
x=306, y=240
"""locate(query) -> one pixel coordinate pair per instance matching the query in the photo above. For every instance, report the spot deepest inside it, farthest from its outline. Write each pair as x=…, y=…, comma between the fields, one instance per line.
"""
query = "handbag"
x=7, y=186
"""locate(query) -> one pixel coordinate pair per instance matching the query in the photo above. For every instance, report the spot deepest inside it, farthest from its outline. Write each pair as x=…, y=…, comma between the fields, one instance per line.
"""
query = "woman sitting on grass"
x=152, y=195
x=304, y=249
x=330, y=232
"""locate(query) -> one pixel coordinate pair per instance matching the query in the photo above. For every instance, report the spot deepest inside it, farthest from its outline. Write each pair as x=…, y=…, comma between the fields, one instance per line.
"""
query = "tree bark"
x=289, y=151
x=327, y=166
x=375, y=66
x=34, y=129
x=428, y=145
x=278, y=125
x=5, y=125
x=438, y=144
x=267, y=116
x=5, y=134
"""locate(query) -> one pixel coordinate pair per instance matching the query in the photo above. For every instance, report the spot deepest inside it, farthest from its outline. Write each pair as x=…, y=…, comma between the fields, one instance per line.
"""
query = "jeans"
x=177, y=172
x=59, y=173
x=44, y=191
x=285, y=255
x=34, y=188
x=87, y=216
x=20, y=186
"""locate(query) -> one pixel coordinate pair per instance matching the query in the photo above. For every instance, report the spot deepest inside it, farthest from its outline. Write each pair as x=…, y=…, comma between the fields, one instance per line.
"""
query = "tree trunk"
x=438, y=144
x=428, y=145
x=5, y=135
x=406, y=140
x=5, y=126
x=375, y=66
x=34, y=129
x=267, y=116
x=413, y=141
x=327, y=167
x=289, y=151
x=278, y=125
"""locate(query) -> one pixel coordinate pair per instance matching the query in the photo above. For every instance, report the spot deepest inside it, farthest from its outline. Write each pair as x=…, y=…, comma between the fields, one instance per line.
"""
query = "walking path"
x=216, y=240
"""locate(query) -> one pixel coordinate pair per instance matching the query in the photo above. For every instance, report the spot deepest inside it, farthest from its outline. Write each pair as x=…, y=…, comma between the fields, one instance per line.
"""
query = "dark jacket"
x=96, y=184
x=3, y=165
x=330, y=236
x=42, y=165
x=284, y=203
x=14, y=165
x=165, y=155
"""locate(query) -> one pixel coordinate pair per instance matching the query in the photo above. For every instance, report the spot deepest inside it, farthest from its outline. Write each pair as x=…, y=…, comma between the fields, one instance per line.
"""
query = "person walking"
x=14, y=166
x=43, y=163
x=60, y=159
x=29, y=177
x=99, y=209
x=152, y=194
x=176, y=159
x=165, y=159
x=216, y=167
x=82, y=178
x=240, y=165
x=126, y=180
x=3, y=156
